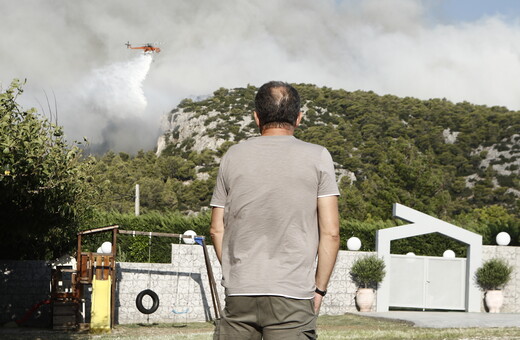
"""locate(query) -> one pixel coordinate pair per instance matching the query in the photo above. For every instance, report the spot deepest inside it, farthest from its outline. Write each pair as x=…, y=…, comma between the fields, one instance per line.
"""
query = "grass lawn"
x=351, y=326
x=348, y=326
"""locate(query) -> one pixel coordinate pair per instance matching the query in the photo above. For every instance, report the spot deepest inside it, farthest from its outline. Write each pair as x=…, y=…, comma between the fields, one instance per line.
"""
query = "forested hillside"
x=458, y=162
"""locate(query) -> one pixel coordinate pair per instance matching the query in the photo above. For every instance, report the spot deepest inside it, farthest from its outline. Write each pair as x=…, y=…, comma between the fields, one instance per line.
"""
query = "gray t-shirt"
x=268, y=187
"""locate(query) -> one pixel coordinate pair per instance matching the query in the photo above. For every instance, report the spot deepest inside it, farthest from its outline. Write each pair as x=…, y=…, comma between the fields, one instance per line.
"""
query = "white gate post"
x=383, y=291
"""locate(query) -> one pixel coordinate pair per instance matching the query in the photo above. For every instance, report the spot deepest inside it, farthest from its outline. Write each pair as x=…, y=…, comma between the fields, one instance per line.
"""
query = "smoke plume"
x=116, y=97
x=114, y=94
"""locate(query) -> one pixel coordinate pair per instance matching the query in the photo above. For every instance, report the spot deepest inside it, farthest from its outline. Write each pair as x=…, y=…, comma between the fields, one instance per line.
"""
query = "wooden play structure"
x=97, y=272
x=63, y=301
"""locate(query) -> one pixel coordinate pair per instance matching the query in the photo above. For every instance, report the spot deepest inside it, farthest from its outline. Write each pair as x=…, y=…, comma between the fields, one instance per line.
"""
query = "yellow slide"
x=100, y=311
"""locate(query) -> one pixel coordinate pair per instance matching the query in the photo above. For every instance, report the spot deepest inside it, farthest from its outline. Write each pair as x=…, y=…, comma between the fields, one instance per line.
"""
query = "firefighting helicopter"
x=147, y=48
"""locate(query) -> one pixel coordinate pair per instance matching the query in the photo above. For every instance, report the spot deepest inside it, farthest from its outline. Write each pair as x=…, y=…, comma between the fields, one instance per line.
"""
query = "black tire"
x=139, y=301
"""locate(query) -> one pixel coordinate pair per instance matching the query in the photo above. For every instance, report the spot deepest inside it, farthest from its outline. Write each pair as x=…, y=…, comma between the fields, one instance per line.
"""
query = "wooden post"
x=113, y=273
x=212, y=284
x=77, y=288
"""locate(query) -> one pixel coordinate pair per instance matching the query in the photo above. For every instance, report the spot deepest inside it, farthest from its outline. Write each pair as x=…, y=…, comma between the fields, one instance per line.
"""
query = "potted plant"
x=491, y=278
x=367, y=272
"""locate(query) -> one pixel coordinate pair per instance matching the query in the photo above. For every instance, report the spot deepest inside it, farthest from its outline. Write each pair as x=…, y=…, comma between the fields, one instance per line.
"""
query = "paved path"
x=451, y=319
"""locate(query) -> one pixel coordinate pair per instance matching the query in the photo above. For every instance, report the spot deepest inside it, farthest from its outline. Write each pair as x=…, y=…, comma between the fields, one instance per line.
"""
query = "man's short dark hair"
x=277, y=104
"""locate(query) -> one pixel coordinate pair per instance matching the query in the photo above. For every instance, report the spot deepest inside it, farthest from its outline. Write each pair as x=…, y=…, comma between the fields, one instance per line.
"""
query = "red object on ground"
x=31, y=311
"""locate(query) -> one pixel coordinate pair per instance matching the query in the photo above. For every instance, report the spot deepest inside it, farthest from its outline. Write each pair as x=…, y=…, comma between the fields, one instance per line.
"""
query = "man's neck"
x=278, y=132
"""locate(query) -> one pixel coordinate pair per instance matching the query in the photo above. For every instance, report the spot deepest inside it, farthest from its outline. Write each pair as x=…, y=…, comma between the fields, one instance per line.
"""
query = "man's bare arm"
x=217, y=230
x=328, y=221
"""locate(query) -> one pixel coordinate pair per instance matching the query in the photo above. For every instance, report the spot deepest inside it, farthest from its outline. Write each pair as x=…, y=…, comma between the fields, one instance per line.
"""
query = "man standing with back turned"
x=274, y=210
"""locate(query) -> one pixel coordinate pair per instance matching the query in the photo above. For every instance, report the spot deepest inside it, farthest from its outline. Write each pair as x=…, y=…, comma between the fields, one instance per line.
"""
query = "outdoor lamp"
x=449, y=254
x=191, y=239
x=106, y=247
x=503, y=238
x=354, y=243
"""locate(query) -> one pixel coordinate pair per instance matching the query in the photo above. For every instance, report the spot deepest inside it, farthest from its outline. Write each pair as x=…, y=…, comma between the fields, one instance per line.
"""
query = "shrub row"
x=136, y=248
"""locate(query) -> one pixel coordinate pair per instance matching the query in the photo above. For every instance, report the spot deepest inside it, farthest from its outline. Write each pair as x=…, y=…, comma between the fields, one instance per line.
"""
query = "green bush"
x=368, y=271
x=433, y=244
x=493, y=274
x=44, y=183
x=134, y=249
x=364, y=230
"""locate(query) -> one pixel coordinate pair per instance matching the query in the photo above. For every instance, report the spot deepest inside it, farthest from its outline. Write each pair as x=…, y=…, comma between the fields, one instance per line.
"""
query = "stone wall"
x=183, y=287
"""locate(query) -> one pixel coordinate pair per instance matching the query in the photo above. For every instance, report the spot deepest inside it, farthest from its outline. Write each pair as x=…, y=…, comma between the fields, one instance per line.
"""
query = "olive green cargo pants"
x=266, y=317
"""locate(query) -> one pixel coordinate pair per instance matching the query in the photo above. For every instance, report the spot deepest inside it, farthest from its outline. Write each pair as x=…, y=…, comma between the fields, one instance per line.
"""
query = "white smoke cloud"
x=116, y=90
x=113, y=94
x=399, y=47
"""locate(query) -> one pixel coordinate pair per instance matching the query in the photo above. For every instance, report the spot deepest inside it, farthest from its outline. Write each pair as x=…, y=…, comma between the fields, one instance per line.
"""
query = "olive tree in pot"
x=367, y=272
x=491, y=277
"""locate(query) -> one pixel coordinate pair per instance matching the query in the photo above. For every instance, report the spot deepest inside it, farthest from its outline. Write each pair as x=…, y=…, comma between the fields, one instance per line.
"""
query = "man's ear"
x=299, y=119
x=257, y=121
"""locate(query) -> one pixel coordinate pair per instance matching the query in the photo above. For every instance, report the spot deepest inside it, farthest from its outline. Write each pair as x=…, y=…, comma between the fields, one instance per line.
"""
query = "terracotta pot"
x=494, y=300
x=365, y=299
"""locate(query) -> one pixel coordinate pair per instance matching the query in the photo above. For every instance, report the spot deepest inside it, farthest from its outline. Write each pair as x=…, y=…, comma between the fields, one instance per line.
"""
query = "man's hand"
x=317, y=303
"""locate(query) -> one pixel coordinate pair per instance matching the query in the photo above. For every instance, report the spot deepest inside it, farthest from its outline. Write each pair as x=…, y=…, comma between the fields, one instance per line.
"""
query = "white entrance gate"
x=422, y=224
x=425, y=282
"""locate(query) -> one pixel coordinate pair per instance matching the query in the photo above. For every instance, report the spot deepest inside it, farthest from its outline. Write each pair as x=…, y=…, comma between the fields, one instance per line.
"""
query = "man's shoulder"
x=244, y=143
x=253, y=142
x=304, y=144
x=310, y=148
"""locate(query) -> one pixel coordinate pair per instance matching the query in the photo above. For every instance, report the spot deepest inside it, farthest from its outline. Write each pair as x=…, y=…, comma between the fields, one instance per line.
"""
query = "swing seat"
x=187, y=310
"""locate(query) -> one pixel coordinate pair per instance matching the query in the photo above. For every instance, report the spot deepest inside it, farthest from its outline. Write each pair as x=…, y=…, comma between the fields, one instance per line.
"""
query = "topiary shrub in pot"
x=367, y=272
x=491, y=277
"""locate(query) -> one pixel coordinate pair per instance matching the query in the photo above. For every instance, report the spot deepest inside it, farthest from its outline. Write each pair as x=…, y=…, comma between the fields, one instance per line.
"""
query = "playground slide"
x=100, y=314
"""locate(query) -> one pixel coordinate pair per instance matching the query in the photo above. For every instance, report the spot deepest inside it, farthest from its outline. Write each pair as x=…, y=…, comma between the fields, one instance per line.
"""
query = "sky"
x=471, y=10
x=79, y=71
